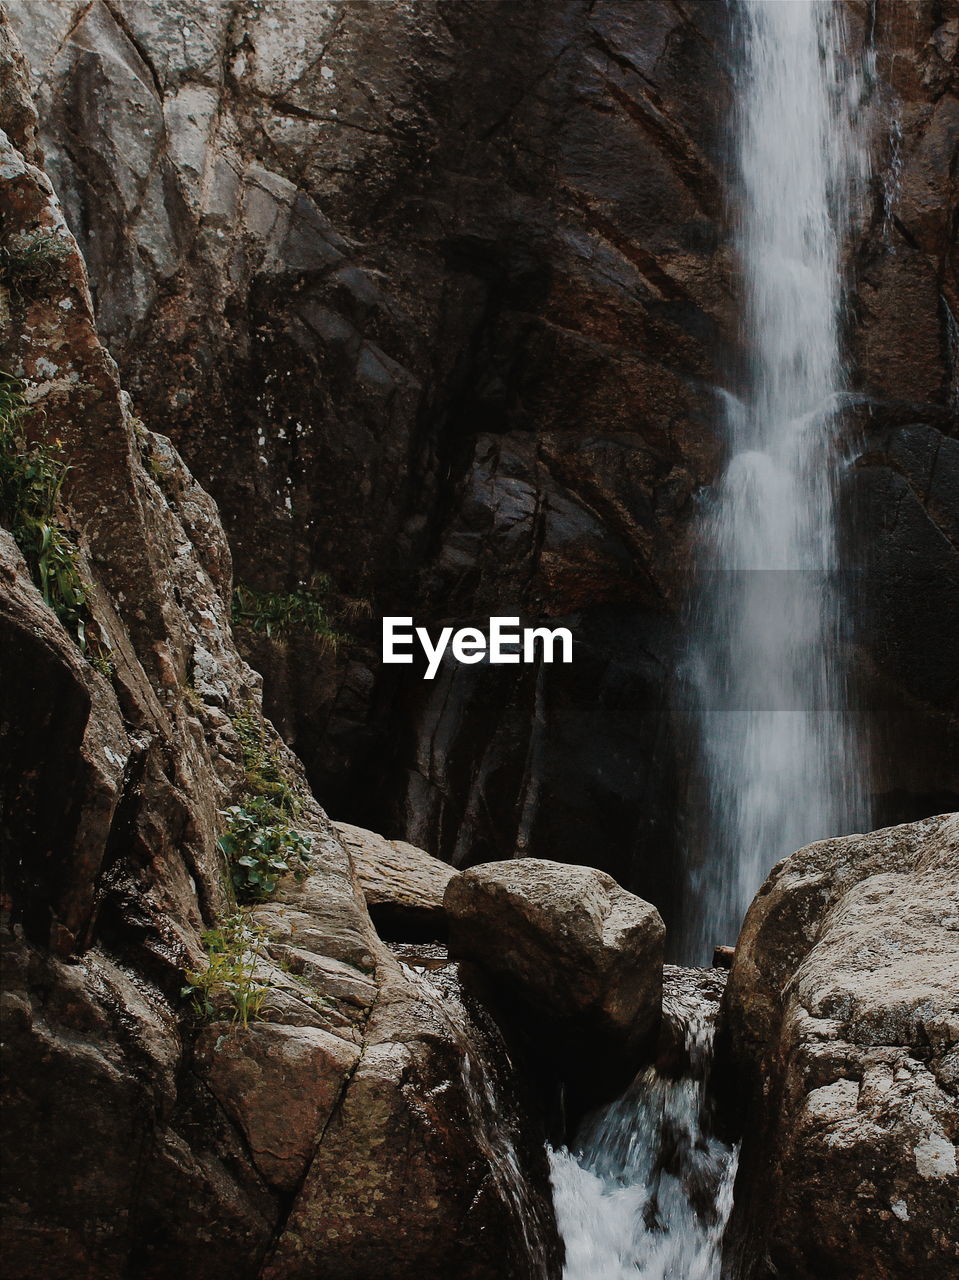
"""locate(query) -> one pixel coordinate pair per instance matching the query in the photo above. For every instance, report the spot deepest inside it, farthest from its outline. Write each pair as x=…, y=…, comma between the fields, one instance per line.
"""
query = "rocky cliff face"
x=142, y=1138
x=843, y=1017
x=433, y=297
x=901, y=490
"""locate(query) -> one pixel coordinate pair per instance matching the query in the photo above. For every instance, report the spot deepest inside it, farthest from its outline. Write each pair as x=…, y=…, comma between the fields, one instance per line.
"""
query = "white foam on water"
x=646, y=1190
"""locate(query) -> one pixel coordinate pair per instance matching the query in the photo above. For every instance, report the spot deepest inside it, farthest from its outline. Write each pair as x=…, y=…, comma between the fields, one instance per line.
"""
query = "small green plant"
x=276, y=614
x=103, y=665
x=34, y=258
x=233, y=949
x=193, y=700
x=264, y=772
x=261, y=846
x=31, y=481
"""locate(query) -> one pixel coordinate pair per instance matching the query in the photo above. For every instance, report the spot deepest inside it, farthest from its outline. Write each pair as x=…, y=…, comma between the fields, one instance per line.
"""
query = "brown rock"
x=280, y=1084
x=463, y=326
x=120, y=1160
x=843, y=1013
x=567, y=941
x=403, y=886
x=402, y=1184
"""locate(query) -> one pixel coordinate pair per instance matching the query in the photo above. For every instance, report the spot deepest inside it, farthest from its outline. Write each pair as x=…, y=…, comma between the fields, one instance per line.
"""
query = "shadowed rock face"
x=430, y=295
x=902, y=492
x=137, y=1142
x=842, y=1011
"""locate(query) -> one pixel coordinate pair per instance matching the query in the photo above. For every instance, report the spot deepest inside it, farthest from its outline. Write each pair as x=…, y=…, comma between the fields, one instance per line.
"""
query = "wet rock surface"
x=688, y=994
x=843, y=1021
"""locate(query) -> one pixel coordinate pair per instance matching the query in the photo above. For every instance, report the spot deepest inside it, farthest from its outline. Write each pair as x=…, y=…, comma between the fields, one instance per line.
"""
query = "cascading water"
x=646, y=1190
x=779, y=761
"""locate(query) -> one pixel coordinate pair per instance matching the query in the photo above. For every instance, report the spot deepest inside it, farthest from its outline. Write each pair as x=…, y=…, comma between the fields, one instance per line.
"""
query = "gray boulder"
x=567, y=942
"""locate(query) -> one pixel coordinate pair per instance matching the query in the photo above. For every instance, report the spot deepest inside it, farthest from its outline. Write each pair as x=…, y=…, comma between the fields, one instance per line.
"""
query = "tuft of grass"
x=31, y=481
x=103, y=665
x=193, y=700
x=276, y=614
x=227, y=982
x=32, y=260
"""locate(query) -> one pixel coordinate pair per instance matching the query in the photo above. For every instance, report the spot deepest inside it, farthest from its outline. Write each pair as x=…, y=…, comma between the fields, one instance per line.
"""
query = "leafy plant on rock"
x=31, y=481
x=261, y=846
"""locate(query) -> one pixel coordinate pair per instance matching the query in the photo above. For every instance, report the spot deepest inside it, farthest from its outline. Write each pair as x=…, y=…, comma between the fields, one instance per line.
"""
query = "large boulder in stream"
x=842, y=1010
x=567, y=944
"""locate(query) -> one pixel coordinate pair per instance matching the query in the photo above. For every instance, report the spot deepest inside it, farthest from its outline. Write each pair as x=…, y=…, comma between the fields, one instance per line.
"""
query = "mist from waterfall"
x=645, y=1191
x=778, y=763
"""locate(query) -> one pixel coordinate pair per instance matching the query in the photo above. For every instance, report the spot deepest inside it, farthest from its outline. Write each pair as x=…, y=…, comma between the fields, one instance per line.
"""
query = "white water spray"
x=779, y=764
x=646, y=1191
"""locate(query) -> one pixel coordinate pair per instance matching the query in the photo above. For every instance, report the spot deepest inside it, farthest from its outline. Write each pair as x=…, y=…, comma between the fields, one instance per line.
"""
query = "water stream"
x=646, y=1188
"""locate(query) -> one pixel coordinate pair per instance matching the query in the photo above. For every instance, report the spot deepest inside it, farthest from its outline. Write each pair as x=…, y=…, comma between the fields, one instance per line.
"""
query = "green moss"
x=102, y=665
x=193, y=699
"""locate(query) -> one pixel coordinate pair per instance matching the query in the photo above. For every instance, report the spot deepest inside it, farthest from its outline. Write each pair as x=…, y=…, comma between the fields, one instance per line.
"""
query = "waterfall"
x=778, y=764
x=646, y=1189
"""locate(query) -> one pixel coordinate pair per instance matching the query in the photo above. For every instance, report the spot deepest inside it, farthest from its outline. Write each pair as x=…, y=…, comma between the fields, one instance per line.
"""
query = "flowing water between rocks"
x=646, y=1189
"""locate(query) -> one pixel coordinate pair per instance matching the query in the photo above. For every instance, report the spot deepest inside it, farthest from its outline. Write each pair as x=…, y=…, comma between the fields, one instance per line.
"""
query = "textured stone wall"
x=432, y=296
x=842, y=1018
x=358, y=1123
